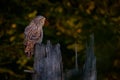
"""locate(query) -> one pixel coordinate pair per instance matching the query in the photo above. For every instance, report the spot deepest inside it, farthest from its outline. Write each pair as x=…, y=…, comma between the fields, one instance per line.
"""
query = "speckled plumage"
x=33, y=34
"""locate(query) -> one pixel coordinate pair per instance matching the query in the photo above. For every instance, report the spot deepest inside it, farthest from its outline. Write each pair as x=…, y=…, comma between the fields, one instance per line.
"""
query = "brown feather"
x=33, y=34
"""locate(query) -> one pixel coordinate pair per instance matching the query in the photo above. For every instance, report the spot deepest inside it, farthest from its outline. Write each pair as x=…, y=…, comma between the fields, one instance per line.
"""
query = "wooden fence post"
x=47, y=62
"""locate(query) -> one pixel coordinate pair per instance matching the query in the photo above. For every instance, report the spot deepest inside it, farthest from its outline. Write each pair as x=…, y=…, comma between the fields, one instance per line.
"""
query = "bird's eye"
x=41, y=21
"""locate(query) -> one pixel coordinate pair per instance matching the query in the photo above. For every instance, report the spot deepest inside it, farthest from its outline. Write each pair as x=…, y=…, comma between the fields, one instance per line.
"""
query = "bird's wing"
x=32, y=32
x=35, y=35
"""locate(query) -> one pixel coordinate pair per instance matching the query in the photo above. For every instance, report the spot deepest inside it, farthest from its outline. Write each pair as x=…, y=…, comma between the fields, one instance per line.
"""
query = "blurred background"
x=68, y=22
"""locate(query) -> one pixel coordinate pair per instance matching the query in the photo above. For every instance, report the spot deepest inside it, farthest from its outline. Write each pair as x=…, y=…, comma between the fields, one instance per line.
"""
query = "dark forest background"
x=68, y=22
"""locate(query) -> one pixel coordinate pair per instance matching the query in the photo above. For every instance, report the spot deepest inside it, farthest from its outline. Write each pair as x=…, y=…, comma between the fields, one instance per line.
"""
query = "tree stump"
x=89, y=69
x=47, y=62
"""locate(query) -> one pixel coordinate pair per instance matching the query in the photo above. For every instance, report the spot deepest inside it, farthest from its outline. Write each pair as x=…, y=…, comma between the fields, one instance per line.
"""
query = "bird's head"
x=40, y=20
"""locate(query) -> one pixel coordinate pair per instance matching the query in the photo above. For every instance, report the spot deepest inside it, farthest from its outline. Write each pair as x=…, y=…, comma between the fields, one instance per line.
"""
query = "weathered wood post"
x=47, y=62
x=89, y=69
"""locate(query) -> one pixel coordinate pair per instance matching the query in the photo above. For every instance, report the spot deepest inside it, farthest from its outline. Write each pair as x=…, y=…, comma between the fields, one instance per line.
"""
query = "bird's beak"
x=46, y=22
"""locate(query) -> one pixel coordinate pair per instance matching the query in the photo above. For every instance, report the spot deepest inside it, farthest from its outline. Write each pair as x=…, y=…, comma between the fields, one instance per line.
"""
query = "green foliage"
x=68, y=22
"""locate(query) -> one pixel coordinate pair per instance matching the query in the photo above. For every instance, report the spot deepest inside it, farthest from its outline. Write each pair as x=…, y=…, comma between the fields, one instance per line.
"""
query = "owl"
x=33, y=34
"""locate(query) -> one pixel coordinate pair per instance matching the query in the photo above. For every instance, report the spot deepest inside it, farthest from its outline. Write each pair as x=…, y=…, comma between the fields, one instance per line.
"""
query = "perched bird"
x=33, y=34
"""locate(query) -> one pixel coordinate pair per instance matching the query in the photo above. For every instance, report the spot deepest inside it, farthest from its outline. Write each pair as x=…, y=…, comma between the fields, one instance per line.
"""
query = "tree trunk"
x=47, y=62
